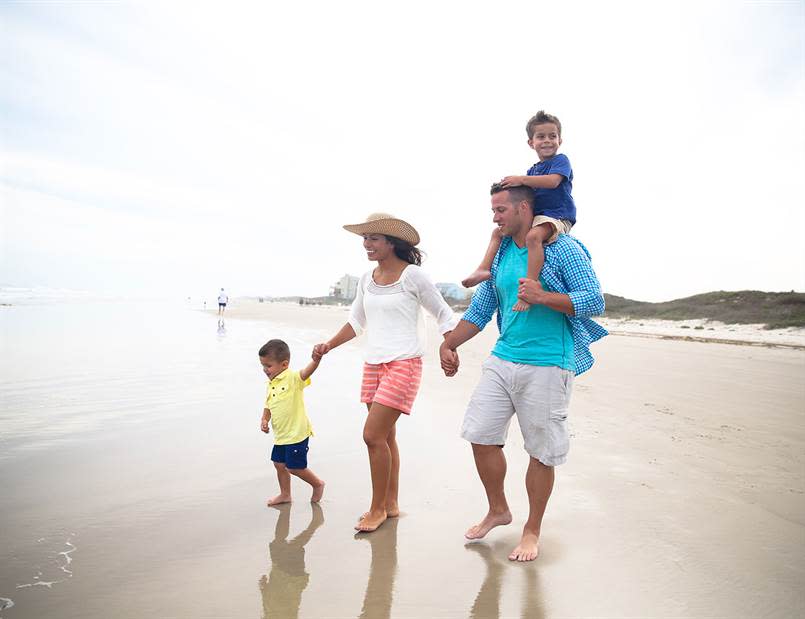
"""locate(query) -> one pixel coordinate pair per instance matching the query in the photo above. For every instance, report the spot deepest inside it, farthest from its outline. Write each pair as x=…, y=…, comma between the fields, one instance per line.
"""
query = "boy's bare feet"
x=318, y=492
x=476, y=277
x=521, y=306
x=487, y=524
x=371, y=521
x=279, y=500
x=527, y=549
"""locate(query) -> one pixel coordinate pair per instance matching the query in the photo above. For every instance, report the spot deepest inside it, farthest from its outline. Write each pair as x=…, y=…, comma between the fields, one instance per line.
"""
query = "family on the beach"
x=540, y=282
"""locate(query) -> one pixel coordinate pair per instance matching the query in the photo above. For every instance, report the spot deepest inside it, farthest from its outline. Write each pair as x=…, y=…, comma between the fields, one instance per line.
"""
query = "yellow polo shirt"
x=287, y=405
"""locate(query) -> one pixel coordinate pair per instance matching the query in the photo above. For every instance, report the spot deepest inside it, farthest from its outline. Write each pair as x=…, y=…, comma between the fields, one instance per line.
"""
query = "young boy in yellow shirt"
x=285, y=409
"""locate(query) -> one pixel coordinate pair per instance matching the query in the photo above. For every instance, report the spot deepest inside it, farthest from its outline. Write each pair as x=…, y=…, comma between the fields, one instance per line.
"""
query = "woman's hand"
x=319, y=350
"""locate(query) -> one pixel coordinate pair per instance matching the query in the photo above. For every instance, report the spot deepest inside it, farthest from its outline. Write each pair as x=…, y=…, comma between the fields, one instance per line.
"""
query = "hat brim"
x=387, y=227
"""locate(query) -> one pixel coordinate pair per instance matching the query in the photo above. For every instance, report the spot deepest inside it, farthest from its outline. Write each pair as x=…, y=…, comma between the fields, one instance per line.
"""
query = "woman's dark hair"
x=405, y=251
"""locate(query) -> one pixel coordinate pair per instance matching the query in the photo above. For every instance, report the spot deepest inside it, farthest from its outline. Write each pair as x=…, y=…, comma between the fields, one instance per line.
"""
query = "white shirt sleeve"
x=419, y=283
x=357, y=314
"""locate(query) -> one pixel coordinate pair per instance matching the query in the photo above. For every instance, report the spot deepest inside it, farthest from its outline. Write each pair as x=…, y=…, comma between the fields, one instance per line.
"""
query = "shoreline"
x=698, y=330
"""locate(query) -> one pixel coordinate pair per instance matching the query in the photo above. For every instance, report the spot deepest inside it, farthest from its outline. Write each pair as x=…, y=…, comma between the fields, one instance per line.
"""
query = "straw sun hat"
x=388, y=225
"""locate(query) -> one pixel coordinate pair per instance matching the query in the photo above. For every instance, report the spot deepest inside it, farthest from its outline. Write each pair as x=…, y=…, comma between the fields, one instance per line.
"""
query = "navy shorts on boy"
x=292, y=456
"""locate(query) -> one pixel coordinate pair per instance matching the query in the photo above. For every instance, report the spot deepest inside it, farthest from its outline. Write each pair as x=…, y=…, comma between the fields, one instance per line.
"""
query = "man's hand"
x=530, y=291
x=511, y=181
x=448, y=359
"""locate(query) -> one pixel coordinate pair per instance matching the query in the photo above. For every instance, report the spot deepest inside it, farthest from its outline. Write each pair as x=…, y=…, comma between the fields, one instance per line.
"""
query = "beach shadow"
x=380, y=586
x=282, y=588
x=487, y=602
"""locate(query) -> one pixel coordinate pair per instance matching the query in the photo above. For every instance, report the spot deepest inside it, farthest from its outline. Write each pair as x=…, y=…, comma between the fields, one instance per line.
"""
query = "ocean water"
x=129, y=446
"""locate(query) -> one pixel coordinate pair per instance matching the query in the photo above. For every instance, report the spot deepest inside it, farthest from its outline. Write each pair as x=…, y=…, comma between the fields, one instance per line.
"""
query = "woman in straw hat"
x=387, y=308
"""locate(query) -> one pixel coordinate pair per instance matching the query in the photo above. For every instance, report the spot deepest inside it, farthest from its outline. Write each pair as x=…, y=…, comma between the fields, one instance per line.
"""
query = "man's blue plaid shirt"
x=567, y=270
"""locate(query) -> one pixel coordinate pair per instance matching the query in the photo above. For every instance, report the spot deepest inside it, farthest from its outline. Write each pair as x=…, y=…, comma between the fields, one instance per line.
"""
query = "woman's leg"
x=379, y=425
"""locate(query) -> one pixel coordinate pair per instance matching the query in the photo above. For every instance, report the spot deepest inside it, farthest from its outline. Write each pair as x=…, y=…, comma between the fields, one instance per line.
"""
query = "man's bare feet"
x=521, y=306
x=527, y=549
x=318, y=492
x=279, y=500
x=370, y=521
x=476, y=277
x=487, y=524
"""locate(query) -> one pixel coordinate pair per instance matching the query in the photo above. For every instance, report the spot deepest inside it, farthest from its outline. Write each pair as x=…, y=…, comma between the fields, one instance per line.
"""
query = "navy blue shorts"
x=292, y=456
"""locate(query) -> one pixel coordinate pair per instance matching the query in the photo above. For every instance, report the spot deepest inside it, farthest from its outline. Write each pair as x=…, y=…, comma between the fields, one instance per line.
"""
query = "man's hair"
x=540, y=118
x=276, y=350
x=517, y=194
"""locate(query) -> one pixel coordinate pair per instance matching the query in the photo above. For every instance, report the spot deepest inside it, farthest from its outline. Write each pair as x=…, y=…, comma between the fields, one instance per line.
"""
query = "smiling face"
x=510, y=218
x=377, y=247
x=272, y=368
x=546, y=140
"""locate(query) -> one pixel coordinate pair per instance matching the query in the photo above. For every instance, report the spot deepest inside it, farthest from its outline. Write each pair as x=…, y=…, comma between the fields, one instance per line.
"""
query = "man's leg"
x=491, y=466
x=538, y=484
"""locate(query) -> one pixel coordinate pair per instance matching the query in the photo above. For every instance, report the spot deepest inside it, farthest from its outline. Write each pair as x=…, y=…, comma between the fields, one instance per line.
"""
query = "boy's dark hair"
x=517, y=194
x=276, y=350
x=540, y=118
x=405, y=251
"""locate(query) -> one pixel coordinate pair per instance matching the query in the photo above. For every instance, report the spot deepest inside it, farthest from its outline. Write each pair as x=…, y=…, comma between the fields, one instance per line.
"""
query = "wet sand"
x=683, y=496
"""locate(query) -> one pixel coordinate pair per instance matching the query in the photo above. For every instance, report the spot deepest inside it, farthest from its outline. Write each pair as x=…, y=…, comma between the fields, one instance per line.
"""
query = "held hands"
x=319, y=350
x=448, y=359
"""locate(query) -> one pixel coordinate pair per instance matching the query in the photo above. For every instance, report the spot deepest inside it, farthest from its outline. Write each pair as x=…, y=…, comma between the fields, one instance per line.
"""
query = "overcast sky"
x=153, y=148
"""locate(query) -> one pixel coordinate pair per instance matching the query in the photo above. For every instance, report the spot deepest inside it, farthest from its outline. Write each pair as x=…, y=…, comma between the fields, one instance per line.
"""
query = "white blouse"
x=391, y=317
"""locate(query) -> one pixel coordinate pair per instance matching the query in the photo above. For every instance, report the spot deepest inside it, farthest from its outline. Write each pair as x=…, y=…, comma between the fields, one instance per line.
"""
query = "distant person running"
x=387, y=307
x=285, y=409
x=554, y=208
x=223, y=299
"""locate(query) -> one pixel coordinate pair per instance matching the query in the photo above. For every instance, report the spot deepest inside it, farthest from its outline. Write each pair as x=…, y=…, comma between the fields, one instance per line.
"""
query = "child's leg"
x=534, y=240
x=483, y=272
x=284, y=479
x=310, y=477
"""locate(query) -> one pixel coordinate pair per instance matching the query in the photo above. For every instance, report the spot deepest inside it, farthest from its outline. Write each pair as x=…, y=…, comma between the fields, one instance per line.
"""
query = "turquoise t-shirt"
x=540, y=336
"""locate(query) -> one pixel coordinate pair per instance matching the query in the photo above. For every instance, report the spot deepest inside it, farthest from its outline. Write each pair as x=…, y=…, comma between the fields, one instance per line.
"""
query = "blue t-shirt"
x=539, y=336
x=556, y=203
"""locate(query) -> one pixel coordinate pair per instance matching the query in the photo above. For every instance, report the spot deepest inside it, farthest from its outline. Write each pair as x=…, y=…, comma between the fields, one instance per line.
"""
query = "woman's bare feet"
x=318, y=492
x=527, y=549
x=487, y=524
x=392, y=511
x=370, y=521
x=476, y=277
x=279, y=500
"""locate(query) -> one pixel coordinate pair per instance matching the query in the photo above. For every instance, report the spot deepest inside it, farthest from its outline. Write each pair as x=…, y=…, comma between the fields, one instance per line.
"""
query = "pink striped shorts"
x=393, y=384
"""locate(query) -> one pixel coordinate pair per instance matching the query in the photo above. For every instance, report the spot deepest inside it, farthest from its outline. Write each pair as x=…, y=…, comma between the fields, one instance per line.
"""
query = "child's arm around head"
x=544, y=181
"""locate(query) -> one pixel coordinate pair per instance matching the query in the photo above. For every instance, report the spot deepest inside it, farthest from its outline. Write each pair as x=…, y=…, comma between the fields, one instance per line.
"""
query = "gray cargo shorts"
x=538, y=395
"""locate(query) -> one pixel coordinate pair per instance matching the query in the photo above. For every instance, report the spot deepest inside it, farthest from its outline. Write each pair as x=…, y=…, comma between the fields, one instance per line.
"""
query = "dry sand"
x=683, y=495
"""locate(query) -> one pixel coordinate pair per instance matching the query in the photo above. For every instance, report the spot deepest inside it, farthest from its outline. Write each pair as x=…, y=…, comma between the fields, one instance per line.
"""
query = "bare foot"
x=527, y=550
x=521, y=306
x=487, y=524
x=279, y=500
x=476, y=277
x=371, y=521
x=391, y=512
x=318, y=492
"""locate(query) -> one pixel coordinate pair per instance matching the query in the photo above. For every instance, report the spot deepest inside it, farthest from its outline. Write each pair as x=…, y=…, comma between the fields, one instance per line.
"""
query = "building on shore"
x=345, y=288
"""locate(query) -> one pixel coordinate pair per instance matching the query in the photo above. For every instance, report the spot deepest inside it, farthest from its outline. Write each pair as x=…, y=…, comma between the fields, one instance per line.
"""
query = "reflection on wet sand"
x=282, y=589
x=487, y=602
x=380, y=587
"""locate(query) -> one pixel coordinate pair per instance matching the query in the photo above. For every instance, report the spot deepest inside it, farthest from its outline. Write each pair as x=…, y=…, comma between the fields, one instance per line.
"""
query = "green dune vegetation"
x=776, y=310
